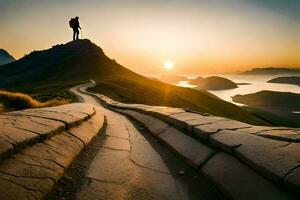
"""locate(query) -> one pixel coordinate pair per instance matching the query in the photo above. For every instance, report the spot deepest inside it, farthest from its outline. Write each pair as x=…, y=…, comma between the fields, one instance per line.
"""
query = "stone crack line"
x=32, y=119
x=39, y=157
x=13, y=141
x=109, y=182
x=25, y=187
x=24, y=129
x=30, y=115
x=133, y=161
x=34, y=165
x=117, y=137
x=151, y=169
x=62, y=142
x=284, y=145
x=9, y=141
x=65, y=113
x=290, y=171
x=21, y=176
x=53, y=148
x=71, y=134
x=114, y=149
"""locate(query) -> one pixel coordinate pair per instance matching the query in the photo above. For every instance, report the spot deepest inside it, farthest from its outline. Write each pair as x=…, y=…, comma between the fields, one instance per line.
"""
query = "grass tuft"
x=10, y=101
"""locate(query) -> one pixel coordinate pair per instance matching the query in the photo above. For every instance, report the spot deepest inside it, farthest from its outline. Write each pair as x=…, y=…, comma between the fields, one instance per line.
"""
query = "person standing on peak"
x=74, y=24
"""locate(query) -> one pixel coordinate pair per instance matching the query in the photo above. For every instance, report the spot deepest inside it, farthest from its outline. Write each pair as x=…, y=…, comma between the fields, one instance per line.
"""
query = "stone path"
x=262, y=161
x=132, y=165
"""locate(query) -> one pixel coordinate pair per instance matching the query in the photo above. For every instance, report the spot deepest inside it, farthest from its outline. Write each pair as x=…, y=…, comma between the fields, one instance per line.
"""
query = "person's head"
x=76, y=17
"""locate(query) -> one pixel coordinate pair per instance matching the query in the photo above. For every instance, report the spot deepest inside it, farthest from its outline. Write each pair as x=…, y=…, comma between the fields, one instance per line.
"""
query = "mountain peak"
x=84, y=44
x=5, y=57
x=81, y=47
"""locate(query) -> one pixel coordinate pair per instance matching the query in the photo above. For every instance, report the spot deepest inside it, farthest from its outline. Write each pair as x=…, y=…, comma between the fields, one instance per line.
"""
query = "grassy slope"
x=156, y=93
x=50, y=73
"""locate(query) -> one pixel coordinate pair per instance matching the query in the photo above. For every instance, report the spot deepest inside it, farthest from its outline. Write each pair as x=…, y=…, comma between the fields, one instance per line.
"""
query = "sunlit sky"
x=195, y=36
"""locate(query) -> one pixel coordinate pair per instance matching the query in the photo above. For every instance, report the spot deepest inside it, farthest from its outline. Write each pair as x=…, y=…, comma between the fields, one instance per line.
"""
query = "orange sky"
x=198, y=37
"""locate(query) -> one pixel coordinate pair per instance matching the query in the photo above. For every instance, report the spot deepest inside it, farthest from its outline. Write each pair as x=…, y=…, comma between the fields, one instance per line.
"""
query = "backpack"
x=72, y=23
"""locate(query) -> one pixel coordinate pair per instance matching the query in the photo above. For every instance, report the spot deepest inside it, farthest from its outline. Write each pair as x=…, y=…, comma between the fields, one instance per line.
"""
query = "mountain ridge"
x=272, y=71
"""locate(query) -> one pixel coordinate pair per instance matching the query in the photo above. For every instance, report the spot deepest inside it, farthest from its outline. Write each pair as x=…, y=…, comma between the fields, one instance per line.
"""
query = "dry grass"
x=17, y=101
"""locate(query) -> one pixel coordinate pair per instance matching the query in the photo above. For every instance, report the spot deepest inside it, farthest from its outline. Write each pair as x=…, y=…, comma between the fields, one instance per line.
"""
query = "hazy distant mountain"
x=5, y=57
x=172, y=78
x=213, y=83
x=272, y=71
x=294, y=80
x=49, y=73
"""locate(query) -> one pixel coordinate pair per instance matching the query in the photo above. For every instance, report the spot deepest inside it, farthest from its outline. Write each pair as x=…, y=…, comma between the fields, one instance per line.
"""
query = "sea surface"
x=255, y=84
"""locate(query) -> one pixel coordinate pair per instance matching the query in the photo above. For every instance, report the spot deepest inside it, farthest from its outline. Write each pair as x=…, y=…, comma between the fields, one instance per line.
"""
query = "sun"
x=168, y=65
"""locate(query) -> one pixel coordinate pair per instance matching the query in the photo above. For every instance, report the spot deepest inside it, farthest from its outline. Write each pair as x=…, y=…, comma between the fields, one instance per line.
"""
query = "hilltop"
x=5, y=57
x=50, y=73
x=272, y=71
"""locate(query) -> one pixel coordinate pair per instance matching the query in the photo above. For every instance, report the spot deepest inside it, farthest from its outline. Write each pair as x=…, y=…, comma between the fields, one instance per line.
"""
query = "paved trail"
x=132, y=165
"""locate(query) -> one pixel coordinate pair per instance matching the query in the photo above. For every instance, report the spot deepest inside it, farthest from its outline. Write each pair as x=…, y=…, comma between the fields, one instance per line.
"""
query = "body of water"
x=256, y=84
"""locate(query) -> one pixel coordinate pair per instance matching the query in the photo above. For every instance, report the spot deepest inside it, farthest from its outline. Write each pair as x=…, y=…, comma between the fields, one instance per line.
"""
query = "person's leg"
x=74, y=34
x=77, y=34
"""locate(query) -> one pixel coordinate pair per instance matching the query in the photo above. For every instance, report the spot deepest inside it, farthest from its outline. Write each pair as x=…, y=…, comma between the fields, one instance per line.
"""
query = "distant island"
x=272, y=71
x=278, y=107
x=213, y=83
x=270, y=98
x=5, y=57
x=293, y=80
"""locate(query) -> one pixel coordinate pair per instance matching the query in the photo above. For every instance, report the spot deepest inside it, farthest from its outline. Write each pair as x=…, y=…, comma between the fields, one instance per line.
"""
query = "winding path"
x=131, y=164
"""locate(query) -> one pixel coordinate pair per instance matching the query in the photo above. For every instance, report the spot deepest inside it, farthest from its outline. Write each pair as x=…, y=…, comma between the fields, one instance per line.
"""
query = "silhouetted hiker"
x=74, y=24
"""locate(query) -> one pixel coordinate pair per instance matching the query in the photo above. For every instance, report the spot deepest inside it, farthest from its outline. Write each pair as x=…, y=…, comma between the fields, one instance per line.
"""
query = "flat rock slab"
x=114, y=176
x=284, y=135
x=272, y=158
x=32, y=172
x=116, y=143
x=186, y=116
x=36, y=175
x=19, y=138
x=204, y=131
x=23, y=128
x=141, y=118
x=69, y=120
x=201, y=120
x=117, y=131
x=167, y=110
x=143, y=153
x=258, y=129
x=45, y=128
x=195, y=153
x=156, y=126
x=237, y=181
x=73, y=108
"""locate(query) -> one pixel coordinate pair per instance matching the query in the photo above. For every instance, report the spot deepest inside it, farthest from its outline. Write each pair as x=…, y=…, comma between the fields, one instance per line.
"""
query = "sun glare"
x=168, y=65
